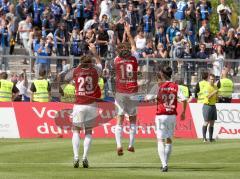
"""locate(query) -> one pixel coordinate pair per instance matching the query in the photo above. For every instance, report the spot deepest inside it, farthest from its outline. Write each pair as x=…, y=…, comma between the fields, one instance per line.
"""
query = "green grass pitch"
x=52, y=158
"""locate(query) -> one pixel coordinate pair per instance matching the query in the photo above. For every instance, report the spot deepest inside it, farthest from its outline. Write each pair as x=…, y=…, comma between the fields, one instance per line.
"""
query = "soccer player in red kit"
x=126, y=86
x=167, y=94
x=87, y=91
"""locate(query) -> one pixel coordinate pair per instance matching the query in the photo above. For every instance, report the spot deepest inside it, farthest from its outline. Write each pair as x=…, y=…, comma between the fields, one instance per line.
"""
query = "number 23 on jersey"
x=85, y=84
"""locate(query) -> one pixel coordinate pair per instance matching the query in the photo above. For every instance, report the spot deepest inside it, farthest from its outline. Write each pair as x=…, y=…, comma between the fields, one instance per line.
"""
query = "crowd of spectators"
x=161, y=29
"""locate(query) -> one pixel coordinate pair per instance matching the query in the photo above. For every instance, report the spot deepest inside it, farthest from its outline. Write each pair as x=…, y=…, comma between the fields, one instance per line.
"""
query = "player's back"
x=167, y=98
x=126, y=74
x=86, y=83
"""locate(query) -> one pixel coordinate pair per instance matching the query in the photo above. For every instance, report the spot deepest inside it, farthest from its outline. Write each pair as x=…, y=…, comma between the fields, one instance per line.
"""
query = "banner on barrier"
x=36, y=120
x=227, y=125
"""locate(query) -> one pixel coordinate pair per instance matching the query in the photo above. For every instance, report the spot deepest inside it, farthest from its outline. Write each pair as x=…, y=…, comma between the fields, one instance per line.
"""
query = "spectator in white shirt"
x=105, y=7
x=22, y=85
x=24, y=29
x=218, y=58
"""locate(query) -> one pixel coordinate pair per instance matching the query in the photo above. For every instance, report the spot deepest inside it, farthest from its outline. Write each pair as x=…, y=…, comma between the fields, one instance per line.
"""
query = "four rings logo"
x=228, y=116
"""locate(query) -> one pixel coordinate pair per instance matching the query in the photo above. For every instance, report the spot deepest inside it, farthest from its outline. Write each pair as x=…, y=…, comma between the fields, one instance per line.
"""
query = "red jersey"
x=86, y=83
x=167, y=98
x=126, y=74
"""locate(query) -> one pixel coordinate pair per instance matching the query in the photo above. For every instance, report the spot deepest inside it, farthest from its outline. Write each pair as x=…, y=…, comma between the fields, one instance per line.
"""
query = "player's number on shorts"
x=88, y=81
x=126, y=71
x=168, y=100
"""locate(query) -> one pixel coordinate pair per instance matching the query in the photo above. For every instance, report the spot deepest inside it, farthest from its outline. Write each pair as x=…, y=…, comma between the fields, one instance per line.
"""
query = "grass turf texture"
x=52, y=158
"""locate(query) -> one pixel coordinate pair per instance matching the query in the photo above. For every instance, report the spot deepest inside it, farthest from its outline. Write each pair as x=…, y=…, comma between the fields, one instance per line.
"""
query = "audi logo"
x=228, y=116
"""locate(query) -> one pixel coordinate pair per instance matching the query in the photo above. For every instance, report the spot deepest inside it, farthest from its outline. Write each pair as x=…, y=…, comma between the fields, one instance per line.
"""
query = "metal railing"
x=186, y=70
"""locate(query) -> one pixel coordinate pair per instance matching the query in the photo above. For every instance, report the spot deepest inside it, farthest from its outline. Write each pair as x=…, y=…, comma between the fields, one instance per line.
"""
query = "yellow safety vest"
x=6, y=91
x=101, y=85
x=184, y=90
x=69, y=93
x=207, y=91
x=41, y=94
x=226, y=88
x=202, y=85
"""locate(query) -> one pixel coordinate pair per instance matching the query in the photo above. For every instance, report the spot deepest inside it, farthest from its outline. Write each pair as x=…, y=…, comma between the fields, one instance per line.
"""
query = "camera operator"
x=224, y=13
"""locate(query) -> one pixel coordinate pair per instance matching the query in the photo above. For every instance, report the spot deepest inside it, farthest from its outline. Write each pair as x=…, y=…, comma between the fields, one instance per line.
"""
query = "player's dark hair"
x=124, y=49
x=167, y=72
x=4, y=75
x=42, y=73
x=204, y=75
x=123, y=46
x=211, y=75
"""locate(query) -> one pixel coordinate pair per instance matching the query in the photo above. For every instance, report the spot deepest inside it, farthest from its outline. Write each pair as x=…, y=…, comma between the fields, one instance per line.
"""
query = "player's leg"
x=131, y=110
x=91, y=111
x=204, y=130
x=210, y=130
x=86, y=146
x=205, y=111
x=78, y=116
x=170, y=123
x=118, y=134
x=212, y=119
x=119, y=103
x=75, y=144
x=132, y=132
x=161, y=136
x=168, y=151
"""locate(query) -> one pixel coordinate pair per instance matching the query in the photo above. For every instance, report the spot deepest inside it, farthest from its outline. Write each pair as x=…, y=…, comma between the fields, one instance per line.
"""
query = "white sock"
x=87, y=144
x=75, y=143
x=118, y=135
x=132, y=134
x=168, y=151
x=161, y=153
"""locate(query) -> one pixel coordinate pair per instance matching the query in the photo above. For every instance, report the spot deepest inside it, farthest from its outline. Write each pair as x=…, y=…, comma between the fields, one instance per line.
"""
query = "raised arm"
x=93, y=49
x=132, y=42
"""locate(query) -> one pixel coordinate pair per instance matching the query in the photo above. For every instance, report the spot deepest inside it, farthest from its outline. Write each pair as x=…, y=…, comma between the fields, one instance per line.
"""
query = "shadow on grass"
x=198, y=168
x=176, y=169
x=125, y=167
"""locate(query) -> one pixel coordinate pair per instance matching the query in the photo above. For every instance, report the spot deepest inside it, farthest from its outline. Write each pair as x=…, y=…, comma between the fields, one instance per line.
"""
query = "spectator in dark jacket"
x=132, y=19
x=21, y=11
x=5, y=44
x=36, y=9
x=102, y=40
x=148, y=24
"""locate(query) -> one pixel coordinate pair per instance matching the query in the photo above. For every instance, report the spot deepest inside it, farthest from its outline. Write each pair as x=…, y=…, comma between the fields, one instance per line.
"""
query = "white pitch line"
x=60, y=163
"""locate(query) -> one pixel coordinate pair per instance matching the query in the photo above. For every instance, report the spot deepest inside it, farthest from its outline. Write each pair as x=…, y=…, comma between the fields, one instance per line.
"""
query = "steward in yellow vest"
x=101, y=85
x=8, y=90
x=226, y=88
x=67, y=92
x=40, y=89
x=208, y=90
x=185, y=91
x=199, y=93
